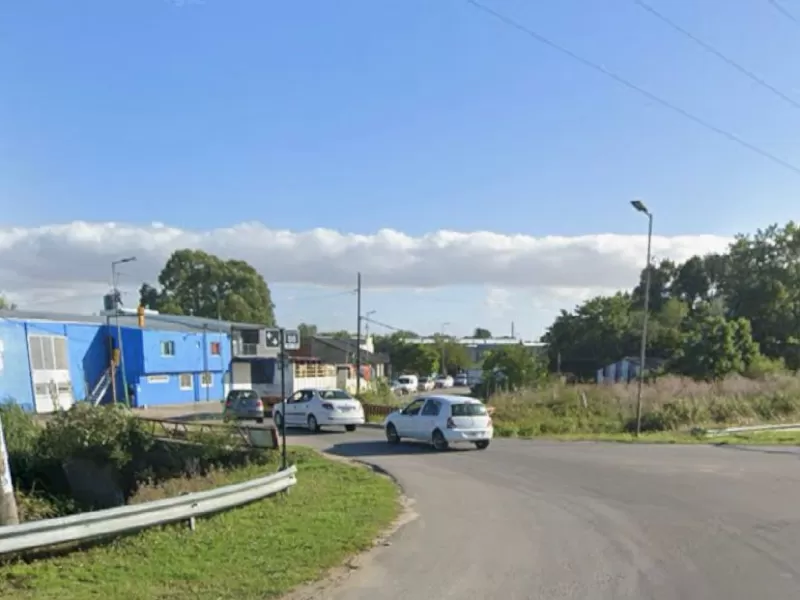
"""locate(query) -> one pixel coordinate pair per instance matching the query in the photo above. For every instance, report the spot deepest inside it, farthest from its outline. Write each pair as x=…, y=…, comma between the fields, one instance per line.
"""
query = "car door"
x=425, y=423
x=292, y=408
x=406, y=421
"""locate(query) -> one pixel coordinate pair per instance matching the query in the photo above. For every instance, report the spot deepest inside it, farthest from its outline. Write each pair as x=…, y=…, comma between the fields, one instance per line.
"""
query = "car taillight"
x=227, y=404
x=450, y=423
x=327, y=406
x=259, y=403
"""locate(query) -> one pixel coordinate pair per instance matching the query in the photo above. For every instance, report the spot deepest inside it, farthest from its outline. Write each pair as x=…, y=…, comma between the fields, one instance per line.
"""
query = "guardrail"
x=114, y=521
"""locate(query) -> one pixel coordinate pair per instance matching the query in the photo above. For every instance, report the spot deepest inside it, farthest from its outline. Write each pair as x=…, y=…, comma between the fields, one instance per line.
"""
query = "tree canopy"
x=481, y=333
x=710, y=316
x=6, y=304
x=196, y=283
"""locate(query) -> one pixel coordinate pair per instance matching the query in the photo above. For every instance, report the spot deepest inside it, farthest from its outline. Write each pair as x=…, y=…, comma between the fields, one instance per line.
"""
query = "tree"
x=456, y=356
x=194, y=282
x=6, y=304
x=516, y=365
x=422, y=359
x=482, y=334
x=306, y=331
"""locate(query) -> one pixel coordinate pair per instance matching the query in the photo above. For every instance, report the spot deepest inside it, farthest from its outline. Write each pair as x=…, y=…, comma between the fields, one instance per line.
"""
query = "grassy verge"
x=258, y=551
x=765, y=438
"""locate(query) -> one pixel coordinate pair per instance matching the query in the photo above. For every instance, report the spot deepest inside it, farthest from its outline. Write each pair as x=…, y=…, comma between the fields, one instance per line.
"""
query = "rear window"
x=404, y=379
x=247, y=395
x=335, y=395
x=468, y=410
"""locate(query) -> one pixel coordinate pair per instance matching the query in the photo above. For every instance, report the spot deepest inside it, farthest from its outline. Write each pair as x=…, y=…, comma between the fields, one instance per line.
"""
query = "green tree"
x=194, y=282
x=306, y=331
x=6, y=304
x=516, y=365
x=456, y=356
x=481, y=333
x=422, y=359
x=714, y=347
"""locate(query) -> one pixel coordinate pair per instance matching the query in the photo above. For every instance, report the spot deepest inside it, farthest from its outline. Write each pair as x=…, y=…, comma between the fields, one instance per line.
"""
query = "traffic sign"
x=291, y=339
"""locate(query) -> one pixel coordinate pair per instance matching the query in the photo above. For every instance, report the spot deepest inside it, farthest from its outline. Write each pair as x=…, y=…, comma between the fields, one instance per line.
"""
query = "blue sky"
x=415, y=115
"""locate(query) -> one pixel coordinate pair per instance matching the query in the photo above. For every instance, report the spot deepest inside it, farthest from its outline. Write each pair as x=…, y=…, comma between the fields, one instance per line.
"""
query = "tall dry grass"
x=669, y=404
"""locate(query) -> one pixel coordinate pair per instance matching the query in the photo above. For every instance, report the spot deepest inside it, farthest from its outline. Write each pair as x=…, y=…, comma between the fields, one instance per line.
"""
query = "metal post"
x=358, y=338
x=638, y=205
x=8, y=502
x=119, y=328
x=284, y=463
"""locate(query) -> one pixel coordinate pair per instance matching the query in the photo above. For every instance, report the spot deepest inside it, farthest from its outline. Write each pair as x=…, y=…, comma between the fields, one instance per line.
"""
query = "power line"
x=709, y=48
x=632, y=86
x=777, y=6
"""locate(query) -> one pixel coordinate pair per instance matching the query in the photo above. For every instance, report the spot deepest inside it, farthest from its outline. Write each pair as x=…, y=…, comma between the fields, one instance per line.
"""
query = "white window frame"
x=191, y=381
x=206, y=379
x=158, y=378
x=167, y=345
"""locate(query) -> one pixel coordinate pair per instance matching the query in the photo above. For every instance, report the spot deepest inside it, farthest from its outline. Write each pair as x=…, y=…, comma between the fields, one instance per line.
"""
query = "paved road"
x=549, y=520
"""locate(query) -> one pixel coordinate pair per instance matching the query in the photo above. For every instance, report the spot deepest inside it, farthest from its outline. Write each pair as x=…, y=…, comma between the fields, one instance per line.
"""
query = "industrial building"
x=49, y=361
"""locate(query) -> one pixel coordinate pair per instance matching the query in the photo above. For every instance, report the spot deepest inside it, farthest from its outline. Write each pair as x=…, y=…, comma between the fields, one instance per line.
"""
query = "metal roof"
x=152, y=322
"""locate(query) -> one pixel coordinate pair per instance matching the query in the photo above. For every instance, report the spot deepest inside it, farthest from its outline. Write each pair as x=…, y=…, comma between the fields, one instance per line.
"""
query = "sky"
x=474, y=175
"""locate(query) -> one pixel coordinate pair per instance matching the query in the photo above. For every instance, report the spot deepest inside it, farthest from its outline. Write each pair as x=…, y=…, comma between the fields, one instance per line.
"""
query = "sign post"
x=8, y=502
x=283, y=397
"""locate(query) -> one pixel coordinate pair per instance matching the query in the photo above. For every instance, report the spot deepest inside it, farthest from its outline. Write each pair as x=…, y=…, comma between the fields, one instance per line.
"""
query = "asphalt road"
x=550, y=520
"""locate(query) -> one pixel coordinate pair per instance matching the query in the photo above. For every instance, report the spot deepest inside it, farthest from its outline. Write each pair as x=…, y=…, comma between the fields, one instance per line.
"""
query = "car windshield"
x=334, y=395
x=470, y=409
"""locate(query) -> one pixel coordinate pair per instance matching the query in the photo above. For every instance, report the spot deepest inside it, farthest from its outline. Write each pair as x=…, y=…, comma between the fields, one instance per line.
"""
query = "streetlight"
x=639, y=206
x=115, y=292
x=366, y=324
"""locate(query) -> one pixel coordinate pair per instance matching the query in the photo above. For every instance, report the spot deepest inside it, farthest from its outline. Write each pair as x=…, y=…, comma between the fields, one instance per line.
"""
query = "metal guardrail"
x=113, y=521
x=754, y=428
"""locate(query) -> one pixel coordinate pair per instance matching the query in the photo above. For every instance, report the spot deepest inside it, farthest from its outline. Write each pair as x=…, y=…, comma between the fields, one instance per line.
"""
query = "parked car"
x=425, y=384
x=461, y=380
x=243, y=404
x=317, y=408
x=405, y=384
x=444, y=381
x=442, y=420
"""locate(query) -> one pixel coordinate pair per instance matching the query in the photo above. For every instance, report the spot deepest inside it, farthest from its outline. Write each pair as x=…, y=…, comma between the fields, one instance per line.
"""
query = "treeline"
x=711, y=316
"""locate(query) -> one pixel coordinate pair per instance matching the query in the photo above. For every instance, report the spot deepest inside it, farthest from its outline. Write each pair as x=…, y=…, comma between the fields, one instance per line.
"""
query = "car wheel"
x=277, y=418
x=482, y=445
x=313, y=426
x=350, y=427
x=439, y=441
x=391, y=434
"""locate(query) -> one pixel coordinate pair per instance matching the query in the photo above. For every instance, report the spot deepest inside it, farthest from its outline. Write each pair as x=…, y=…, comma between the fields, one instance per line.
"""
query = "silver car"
x=243, y=405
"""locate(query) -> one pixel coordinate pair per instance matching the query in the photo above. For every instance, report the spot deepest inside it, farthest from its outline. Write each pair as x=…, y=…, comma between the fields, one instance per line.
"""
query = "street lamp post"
x=366, y=324
x=639, y=206
x=115, y=291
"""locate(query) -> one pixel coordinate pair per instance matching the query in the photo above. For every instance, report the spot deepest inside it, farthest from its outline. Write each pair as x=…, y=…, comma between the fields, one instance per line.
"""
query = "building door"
x=52, y=384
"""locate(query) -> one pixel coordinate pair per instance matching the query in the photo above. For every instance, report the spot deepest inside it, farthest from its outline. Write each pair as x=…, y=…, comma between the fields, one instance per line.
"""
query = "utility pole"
x=119, y=329
x=283, y=399
x=639, y=206
x=358, y=337
x=444, y=366
x=8, y=502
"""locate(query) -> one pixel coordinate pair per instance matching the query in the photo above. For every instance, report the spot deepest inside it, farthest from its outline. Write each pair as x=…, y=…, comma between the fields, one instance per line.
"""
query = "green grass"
x=765, y=438
x=260, y=551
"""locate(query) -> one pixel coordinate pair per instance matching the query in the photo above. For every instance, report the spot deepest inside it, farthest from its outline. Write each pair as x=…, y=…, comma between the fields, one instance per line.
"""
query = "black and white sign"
x=291, y=339
x=272, y=338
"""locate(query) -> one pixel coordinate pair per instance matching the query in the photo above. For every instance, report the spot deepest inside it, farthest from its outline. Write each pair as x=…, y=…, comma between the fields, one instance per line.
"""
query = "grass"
x=670, y=404
x=261, y=550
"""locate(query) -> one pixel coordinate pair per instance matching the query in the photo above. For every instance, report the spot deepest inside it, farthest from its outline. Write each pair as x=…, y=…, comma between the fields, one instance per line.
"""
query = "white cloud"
x=68, y=265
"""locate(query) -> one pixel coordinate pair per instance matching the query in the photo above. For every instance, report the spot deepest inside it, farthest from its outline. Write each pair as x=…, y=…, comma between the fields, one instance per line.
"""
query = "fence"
x=114, y=521
x=257, y=437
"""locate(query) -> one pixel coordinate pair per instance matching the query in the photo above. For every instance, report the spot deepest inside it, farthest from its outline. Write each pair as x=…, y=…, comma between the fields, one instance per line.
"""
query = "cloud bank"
x=68, y=265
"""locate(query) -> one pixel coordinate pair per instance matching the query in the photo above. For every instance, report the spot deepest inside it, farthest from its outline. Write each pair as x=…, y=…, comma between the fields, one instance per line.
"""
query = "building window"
x=186, y=381
x=206, y=379
x=48, y=352
x=216, y=348
x=168, y=348
x=158, y=379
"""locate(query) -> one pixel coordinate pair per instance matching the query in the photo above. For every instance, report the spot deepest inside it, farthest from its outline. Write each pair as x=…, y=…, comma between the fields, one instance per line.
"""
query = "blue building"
x=49, y=361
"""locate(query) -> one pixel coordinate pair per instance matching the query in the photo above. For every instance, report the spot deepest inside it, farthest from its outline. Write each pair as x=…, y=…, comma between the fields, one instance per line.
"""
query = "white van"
x=405, y=384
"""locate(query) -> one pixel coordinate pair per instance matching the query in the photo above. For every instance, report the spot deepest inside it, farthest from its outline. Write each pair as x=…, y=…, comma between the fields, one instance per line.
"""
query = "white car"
x=444, y=381
x=461, y=380
x=316, y=408
x=442, y=420
x=405, y=384
x=425, y=384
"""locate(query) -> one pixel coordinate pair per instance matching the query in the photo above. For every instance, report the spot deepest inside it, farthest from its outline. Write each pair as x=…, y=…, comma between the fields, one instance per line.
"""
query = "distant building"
x=338, y=351
x=626, y=369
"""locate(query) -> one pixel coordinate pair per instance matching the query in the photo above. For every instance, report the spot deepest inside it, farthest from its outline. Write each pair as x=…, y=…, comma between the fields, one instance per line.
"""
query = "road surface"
x=550, y=520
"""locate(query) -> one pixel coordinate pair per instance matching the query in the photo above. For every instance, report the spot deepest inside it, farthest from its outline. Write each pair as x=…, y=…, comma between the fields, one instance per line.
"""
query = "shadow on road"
x=381, y=448
x=793, y=451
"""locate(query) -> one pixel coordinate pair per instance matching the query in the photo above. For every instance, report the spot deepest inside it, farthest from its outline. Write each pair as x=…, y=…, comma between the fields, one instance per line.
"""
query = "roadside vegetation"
x=261, y=550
